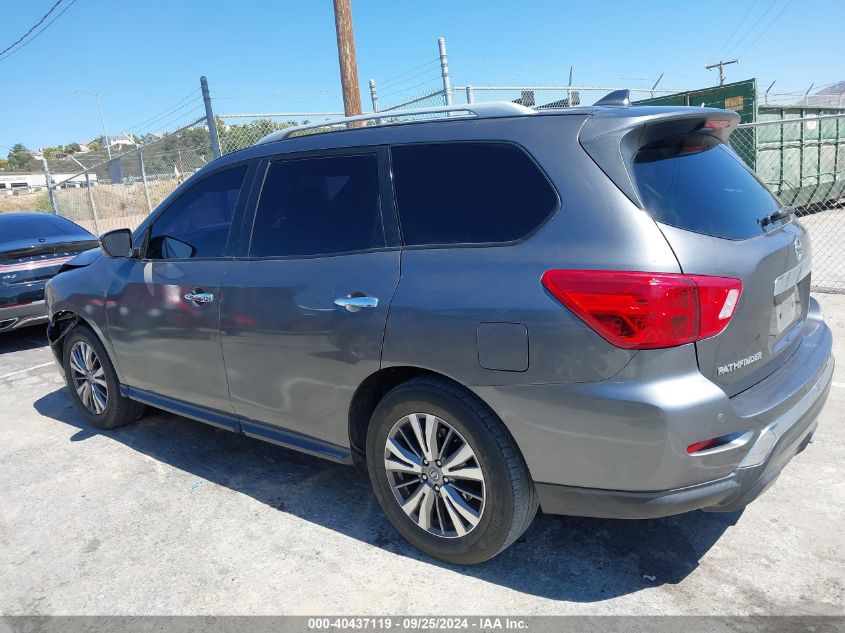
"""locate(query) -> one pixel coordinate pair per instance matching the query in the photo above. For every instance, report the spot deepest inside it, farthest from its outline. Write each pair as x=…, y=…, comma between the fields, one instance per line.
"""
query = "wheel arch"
x=371, y=391
x=63, y=321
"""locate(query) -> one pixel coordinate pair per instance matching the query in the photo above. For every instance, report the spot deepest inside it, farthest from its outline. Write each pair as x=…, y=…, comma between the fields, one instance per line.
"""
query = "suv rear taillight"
x=637, y=310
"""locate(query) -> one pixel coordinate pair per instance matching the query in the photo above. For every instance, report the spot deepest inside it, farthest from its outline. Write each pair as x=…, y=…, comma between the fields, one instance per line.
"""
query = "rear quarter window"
x=468, y=193
x=698, y=184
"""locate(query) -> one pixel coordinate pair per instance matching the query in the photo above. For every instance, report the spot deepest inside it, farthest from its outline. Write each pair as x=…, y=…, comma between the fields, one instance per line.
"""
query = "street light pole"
x=102, y=118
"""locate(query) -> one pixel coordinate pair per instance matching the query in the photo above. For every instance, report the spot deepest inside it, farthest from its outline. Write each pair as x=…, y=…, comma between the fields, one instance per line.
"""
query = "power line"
x=43, y=28
x=32, y=28
x=754, y=26
x=736, y=28
x=767, y=27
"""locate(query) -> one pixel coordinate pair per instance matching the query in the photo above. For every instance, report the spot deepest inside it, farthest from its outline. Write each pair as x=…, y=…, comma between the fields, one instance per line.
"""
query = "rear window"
x=468, y=193
x=17, y=227
x=698, y=184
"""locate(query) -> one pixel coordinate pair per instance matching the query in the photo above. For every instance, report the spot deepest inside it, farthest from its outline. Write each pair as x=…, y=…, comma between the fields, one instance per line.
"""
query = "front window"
x=197, y=224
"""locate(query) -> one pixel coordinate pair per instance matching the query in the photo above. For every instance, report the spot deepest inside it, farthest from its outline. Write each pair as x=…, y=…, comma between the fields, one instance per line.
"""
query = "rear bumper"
x=794, y=430
x=618, y=447
x=23, y=314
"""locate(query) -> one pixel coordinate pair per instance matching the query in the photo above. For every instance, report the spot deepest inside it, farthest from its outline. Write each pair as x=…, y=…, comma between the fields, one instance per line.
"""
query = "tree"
x=94, y=146
x=19, y=158
x=72, y=148
x=3, y=163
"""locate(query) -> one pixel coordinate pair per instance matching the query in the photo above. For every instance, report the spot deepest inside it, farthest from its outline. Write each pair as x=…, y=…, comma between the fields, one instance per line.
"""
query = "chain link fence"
x=425, y=100
x=119, y=192
x=237, y=131
x=547, y=97
x=802, y=160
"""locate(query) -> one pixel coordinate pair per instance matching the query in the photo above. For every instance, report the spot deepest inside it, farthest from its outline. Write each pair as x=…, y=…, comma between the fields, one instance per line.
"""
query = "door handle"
x=353, y=304
x=198, y=297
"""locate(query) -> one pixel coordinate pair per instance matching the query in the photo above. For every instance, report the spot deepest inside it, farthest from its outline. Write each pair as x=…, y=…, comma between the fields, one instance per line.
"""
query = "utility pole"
x=721, y=66
x=346, y=57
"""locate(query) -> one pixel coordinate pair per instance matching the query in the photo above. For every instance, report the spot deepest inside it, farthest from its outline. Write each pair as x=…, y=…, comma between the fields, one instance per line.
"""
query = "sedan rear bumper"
x=794, y=431
x=21, y=315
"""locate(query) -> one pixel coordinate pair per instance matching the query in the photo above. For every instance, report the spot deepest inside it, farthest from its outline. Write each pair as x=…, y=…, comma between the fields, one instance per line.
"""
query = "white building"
x=11, y=183
x=120, y=143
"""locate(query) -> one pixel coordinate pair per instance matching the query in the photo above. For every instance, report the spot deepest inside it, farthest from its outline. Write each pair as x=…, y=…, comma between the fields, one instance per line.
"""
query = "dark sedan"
x=33, y=246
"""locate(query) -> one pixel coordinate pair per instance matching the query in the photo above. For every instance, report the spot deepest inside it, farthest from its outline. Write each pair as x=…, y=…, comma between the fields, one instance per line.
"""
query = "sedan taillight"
x=35, y=263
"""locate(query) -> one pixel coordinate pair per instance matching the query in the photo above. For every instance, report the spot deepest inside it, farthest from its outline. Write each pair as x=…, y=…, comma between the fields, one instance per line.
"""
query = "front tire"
x=92, y=382
x=447, y=473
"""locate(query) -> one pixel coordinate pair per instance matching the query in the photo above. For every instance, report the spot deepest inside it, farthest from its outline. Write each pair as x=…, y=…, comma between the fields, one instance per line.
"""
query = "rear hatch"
x=721, y=220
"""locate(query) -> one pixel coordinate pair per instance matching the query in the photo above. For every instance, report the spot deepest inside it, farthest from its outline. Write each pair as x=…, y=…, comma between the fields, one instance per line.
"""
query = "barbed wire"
x=179, y=105
x=410, y=89
x=390, y=80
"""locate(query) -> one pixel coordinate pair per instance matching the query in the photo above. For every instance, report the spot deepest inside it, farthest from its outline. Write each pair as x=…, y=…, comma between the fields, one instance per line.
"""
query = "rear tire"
x=92, y=382
x=460, y=509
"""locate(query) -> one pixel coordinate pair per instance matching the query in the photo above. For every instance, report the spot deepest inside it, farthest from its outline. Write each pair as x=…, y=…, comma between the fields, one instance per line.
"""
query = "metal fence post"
x=444, y=71
x=144, y=179
x=49, y=180
x=374, y=95
x=374, y=98
x=470, y=94
x=93, y=204
x=209, y=118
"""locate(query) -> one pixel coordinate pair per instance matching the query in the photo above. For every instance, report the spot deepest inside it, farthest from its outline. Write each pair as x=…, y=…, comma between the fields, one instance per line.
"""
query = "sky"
x=144, y=58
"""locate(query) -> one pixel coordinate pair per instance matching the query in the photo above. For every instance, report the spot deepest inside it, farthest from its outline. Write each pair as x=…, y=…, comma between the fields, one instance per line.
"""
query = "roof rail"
x=487, y=110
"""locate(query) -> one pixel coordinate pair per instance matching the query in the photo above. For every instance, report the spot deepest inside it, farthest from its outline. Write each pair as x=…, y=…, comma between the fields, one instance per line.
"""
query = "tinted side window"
x=318, y=206
x=197, y=223
x=468, y=193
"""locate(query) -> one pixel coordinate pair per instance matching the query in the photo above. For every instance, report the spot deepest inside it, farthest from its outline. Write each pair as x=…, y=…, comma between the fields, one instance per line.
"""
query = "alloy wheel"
x=89, y=378
x=435, y=475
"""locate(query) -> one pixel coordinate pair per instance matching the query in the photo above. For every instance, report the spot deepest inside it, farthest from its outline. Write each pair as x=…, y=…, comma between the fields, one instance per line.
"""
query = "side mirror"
x=117, y=243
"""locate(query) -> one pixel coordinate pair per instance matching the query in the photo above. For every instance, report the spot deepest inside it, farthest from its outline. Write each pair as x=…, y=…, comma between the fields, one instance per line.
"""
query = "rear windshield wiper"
x=780, y=214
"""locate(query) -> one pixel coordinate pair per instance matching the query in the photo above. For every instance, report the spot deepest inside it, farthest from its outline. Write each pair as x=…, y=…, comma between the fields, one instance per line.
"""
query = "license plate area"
x=785, y=311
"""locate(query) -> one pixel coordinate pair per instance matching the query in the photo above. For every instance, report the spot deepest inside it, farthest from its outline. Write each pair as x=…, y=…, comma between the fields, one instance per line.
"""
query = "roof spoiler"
x=616, y=99
x=612, y=139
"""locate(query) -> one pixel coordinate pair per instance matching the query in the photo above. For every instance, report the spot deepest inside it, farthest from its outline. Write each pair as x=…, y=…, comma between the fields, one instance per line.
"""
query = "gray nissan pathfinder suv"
x=597, y=311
